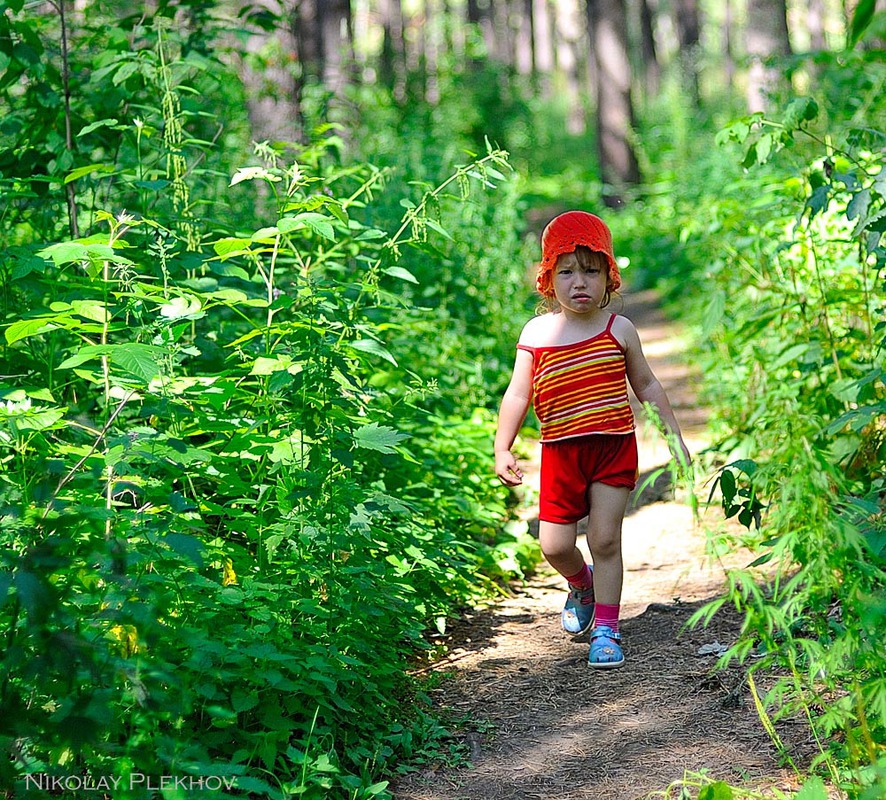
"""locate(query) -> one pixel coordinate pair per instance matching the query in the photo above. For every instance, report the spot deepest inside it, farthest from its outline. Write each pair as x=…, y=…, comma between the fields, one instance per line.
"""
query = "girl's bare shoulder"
x=538, y=331
x=623, y=330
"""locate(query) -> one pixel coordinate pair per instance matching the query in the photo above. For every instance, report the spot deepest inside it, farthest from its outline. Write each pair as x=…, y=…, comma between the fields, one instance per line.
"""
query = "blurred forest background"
x=262, y=270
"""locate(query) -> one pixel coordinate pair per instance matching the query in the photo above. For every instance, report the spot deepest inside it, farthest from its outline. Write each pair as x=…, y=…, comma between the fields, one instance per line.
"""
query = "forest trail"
x=540, y=724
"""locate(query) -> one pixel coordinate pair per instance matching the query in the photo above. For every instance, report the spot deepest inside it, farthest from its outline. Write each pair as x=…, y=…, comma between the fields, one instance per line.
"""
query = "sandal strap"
x=607, y=633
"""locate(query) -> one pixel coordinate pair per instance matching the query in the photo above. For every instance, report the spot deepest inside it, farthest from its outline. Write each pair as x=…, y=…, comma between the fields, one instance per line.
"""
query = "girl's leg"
x=559, y=549
x=558, y=546
x=608, y=506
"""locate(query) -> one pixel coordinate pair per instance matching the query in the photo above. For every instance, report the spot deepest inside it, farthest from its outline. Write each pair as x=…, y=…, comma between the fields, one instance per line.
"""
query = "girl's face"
x=580, y=281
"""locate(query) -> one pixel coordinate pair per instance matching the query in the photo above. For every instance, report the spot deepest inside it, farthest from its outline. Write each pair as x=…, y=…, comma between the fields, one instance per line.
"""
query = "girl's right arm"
x=514, y=406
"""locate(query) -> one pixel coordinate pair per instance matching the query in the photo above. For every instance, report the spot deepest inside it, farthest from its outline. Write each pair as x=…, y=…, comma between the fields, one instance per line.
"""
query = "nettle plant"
x=798, y=351
x=223, y=543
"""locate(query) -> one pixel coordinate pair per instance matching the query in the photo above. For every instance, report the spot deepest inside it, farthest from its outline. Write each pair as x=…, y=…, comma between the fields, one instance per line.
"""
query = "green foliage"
x=792, y=320
x=243, y=432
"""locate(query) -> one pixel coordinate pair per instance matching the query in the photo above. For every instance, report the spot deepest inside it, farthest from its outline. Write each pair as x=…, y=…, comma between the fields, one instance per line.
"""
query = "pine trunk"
x=766, y=39
x=615, y=111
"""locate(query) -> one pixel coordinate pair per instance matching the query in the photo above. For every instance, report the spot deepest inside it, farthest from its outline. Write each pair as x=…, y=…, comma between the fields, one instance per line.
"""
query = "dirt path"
x=541, y=724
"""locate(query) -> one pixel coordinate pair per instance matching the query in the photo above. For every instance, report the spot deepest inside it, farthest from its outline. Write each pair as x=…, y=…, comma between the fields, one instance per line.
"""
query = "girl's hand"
x=506, y=468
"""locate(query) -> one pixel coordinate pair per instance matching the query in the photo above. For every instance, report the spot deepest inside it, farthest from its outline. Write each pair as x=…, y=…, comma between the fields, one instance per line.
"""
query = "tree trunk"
x=766, y=38
x=615, y=111
x=728, y=53
x=337, y=35
x=815, y=14
x=308, y=30
x=505, y=47
x=567, y=27
x=543, y=47
x=651, y=67
x=272, y=85
x=525, y=45
x=481, y=14
x=392, y=65
x=591, y=77
x=430, y=32
x=688, y=25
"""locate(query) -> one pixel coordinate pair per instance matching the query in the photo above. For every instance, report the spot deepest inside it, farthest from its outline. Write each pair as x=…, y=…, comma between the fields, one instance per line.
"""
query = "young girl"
x=573, y=363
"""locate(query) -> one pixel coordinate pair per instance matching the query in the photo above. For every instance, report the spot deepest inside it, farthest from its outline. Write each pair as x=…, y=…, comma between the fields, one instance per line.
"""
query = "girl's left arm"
x=646, y=386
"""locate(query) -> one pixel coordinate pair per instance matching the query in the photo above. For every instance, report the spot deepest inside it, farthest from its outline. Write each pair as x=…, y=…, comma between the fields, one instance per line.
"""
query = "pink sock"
x=582, y=580
x=606, y=615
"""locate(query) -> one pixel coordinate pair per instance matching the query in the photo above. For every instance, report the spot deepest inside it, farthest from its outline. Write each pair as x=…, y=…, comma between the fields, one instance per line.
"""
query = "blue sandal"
x=606, y=651
x=577, y=617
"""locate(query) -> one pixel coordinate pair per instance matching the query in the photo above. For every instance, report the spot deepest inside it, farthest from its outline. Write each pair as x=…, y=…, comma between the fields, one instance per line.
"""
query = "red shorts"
x=568, y=469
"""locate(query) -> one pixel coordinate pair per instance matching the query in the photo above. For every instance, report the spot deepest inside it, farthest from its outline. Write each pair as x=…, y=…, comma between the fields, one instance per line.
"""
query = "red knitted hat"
x=562, y=235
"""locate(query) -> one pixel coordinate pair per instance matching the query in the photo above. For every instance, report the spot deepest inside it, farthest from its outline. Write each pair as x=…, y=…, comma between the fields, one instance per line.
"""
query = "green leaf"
x=65, y=252
x=29, y=327
x=747, y=465
x=402, y=273
x=861, y=19
x=142, y=360
x=253, y=173
x=727, y=486
x=716, y=791
x=139, y=359
x=33, y=419
x=182, y=307
x=91, y=309
x=434, y=226
x=318, y=223
x=74, y=174
x=813, y=789
x=5, y=584
x=265, y=234
x=268, y=366
x=800, y=109
x=378, y=437
x=183, y=544
x=230, y=245
x=256, y=786
x=369, y=234
x=102, y=123
x=372, y=346
x=31, y=592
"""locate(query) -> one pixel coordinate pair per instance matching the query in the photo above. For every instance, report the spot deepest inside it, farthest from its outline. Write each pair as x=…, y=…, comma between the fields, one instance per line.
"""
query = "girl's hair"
x=587, y=258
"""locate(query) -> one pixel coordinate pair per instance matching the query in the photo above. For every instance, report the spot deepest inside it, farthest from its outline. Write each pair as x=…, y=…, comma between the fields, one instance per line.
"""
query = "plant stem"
x=69, y=139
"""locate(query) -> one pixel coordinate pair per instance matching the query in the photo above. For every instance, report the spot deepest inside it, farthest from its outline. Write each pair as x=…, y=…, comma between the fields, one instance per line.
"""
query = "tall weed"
x=793, y=318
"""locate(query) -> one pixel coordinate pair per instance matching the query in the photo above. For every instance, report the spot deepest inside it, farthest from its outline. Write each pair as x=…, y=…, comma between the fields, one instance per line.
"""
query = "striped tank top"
x=581, y=388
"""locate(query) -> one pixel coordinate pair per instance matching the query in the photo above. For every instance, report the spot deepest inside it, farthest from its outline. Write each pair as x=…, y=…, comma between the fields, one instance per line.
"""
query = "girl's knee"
x=605, y=544
x=557, y=541
x=557, y=549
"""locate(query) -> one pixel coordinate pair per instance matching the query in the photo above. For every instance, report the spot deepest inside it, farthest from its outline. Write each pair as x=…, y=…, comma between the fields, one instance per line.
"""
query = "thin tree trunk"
x=543, y=39
x=728, y=54
x=591, y=77
x=688, y=24
x=308, y=29
x=651, y=67
x=505, y=47
x=392, y=65
x=524, y=38
x=481, y=14
x=70, y=188
x=615, y=111
x=272, y=87
x=815, y=16
x=432, y=46
x=568, y=29
x=766, y=39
